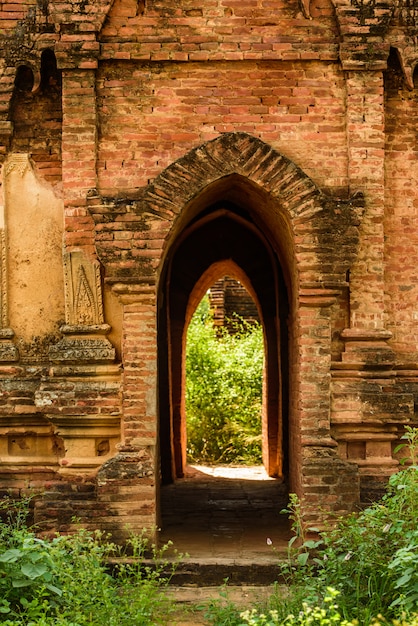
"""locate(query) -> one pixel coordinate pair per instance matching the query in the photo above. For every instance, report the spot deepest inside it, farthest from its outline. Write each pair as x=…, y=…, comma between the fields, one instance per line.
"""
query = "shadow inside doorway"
x=232, y=513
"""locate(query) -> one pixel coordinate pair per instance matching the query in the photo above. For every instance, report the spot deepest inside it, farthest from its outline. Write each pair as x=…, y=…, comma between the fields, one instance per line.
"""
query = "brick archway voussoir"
x=232, y=153
x=323, y=230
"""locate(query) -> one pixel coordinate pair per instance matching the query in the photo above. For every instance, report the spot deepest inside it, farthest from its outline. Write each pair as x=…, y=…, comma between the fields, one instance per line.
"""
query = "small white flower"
x=269, y=541
x=348, y=556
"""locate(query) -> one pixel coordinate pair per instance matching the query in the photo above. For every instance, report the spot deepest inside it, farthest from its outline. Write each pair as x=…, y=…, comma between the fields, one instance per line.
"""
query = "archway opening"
x=221, y=240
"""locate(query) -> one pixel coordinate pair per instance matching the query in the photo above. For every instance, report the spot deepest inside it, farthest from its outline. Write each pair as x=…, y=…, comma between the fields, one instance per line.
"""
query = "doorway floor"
x=226, y=514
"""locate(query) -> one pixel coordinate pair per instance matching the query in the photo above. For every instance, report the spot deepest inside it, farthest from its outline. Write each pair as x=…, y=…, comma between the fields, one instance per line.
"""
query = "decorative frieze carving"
x=77, y=350
x=8, y=350
x=3, y=282
x=18, y=162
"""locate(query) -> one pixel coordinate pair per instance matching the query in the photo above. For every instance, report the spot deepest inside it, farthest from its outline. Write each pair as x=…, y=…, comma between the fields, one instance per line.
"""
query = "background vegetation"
x=224, y=390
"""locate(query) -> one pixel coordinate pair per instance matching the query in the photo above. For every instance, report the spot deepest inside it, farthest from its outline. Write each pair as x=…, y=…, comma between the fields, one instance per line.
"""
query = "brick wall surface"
x=401, y=169
x=296, y=119
x=154, y=114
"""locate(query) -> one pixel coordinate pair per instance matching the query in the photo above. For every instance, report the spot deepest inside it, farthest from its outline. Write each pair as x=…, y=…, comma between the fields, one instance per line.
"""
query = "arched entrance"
x=222, y=238
x=217, y=204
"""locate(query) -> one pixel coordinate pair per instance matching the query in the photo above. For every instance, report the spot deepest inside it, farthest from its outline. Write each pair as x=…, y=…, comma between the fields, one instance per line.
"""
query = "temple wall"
x=125, y=127
x=152, y=114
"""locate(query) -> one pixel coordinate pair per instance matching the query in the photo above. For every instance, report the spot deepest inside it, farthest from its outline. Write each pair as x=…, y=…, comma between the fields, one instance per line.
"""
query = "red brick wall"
x=138, y=98
x=37, y=122
x=229, y=298
x=150, y=115
x=219, y=29
x=401, y=212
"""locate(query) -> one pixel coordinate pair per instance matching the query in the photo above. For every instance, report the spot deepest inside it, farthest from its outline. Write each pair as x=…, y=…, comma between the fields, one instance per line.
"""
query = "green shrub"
x=370, y=558
x=224, y=375
x=64, y=581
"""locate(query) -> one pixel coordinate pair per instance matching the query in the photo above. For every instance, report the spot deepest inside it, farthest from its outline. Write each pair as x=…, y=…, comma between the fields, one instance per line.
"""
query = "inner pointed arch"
x=217, y=270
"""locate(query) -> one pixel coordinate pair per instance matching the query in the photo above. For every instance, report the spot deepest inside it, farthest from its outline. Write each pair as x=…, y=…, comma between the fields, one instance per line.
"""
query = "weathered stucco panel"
x=34, y=232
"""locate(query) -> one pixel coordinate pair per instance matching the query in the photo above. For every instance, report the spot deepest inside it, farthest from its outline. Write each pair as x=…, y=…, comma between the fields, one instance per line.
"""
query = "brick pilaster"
x=79, y=153
x=140, y=376
x=127, y=484
x=322, y=479
x=365, y=138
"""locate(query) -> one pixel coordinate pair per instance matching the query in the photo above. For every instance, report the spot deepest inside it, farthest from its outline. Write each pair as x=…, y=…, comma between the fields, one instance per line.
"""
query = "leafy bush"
x=224, y=390
x=370, y=558
x=64, y=581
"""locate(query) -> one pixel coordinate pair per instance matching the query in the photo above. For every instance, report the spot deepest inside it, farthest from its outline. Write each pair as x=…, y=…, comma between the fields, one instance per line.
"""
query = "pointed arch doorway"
x=310, y=240
x=223, y=238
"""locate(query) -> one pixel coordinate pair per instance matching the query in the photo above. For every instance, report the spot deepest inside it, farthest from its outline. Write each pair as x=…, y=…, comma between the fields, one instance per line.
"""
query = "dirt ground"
x=188, y=598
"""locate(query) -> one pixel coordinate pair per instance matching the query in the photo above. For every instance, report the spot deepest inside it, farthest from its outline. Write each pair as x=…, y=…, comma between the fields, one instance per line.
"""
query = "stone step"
x=191, y=602
x=206, y=573
x=209, y=572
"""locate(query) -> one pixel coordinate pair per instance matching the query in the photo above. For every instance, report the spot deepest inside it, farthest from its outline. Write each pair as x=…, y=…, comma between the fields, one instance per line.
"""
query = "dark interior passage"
x=206, y=511
x=224, y=235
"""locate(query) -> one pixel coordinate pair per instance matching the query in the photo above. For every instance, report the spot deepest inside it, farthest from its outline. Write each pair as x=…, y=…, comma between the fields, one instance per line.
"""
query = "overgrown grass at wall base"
x=64, y=581
x=369, y=558
x=224, y=391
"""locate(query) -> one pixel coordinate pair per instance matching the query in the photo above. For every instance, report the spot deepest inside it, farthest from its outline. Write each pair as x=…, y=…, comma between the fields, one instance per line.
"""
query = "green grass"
x=64, y=581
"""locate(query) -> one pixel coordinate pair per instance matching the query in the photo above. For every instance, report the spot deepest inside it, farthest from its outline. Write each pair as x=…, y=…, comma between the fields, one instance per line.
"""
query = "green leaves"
x=30, y=565
x=371, y=558
x=64, y=581
x=10, y=556
x=224, y=374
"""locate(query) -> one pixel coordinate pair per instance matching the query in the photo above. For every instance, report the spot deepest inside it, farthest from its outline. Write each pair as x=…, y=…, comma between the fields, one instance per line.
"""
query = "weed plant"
x=372, y=558
x=221, y=610
x=362, y=572
x=224, y=374
x=64, y=581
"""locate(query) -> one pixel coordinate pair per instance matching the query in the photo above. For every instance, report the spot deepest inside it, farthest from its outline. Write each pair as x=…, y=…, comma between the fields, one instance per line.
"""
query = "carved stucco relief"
x=8, y=351
x=84, y=331
x=83, y=290
x=18, y=162
x=3, y=281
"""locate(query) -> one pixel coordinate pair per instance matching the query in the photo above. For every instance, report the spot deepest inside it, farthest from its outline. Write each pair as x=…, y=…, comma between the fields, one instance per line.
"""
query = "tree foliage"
x=224, y=374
